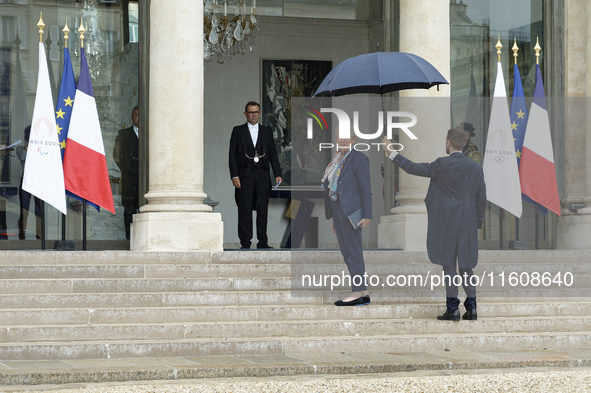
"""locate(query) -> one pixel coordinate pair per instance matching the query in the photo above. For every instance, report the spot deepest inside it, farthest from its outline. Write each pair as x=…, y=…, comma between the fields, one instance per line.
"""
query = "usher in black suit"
x=255, y=183
x=126, y=154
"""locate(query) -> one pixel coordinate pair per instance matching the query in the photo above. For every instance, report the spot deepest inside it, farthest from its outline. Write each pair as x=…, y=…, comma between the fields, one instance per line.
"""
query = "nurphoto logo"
x=344, y=127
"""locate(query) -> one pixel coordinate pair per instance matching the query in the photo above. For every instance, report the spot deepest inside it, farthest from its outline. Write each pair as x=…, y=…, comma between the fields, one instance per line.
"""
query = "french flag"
x=85, y=164
x=536, y=170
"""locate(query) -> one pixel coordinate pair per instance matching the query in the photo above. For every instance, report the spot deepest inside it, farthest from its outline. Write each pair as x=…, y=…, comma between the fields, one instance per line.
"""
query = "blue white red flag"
x=519, y=123
x=85, y=164
x=537, y=171
x=64, y=107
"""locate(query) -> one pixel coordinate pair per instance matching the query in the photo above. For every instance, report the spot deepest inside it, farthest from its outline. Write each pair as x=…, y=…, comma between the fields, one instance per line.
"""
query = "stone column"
x=175, y=218
x=406, y=227
x=587, y=209
x=574, y=226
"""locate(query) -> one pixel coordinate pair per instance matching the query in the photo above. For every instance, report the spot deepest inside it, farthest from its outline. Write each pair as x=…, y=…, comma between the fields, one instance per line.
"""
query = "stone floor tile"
x=98, y=363
x=218, y=360
x=36, y=364
x=373, y=358
x=161, y=362
x=271, y=359
x=321, y=358
x=419, y=357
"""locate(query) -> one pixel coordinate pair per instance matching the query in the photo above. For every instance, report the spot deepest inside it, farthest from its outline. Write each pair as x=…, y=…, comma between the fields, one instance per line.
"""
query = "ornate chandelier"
x=94, y=43
x=229, y=28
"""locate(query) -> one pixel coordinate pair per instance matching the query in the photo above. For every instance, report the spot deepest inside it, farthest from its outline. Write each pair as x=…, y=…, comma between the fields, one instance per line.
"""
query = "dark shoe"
x=264, y=247
x=245, y=248
x=360, y=301
x=470, y=315
x=450, y=315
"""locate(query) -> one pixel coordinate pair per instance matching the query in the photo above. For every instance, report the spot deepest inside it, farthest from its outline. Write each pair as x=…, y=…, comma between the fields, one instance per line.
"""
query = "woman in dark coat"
x=347, y=196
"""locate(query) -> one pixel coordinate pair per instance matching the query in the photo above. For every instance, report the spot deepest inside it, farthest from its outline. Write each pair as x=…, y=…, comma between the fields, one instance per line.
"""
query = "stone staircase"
x=99, y=305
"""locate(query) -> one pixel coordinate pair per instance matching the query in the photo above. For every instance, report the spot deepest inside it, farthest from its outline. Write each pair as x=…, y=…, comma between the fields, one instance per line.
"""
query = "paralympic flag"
x=519, y=123
x=501, y=174
x=43, y=175
x=537, y=171
x=85, y=164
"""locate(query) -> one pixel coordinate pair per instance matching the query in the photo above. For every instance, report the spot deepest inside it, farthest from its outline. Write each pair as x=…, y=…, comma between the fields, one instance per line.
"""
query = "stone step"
x=176, y=271
x=303, y=328
x=580, y=284
x=144, y=271
x=421, y=257
x=293, y=346
x=141, y=315
x=99, y=258
x=25, y=286
x=245, y=298
x=484, y=268
x=168, y=299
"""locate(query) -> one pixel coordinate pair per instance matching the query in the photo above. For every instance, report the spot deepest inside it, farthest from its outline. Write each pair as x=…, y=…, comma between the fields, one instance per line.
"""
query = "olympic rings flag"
x=44, y=176
x=501, y=174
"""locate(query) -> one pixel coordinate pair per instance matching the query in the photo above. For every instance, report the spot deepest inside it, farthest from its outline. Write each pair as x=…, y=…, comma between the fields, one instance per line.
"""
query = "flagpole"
x=82, y=30
x=537, y=230
x=41, y=25
x=501, y=210
x=66, y=31
x=515, y=49
x=84, y=224
x=42, y=225
x=501, y=214
x=537, y=48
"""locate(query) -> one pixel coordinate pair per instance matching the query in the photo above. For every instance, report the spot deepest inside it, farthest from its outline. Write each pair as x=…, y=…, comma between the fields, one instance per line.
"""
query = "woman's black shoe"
x=360, y=301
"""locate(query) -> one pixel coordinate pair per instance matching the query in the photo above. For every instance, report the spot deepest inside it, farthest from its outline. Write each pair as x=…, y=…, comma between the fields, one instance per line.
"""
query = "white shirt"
x=254, y=132
x=136, y=131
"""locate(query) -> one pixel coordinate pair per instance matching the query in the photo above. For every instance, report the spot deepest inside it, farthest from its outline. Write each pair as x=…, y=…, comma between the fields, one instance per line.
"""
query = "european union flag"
x=519, y=119
x=63, y=110
x=65, y=101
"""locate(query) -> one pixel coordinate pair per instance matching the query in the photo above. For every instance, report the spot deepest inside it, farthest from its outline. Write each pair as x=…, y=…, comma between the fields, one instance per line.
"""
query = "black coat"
x=456, y=202
x=241, y=145
x=126, y=156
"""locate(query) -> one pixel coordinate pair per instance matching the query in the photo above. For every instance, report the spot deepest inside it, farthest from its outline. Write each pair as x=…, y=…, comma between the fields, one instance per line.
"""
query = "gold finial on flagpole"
x=538, y=48
x=41, y=25
x=66, y=34
x=499, y=46
x=515, y=49
x=81, y=30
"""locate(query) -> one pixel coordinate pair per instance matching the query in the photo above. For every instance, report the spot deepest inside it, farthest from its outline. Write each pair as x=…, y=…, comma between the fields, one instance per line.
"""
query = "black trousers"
x=451, y=289
x=351, y=245
x=130, y=207
x=253, y=194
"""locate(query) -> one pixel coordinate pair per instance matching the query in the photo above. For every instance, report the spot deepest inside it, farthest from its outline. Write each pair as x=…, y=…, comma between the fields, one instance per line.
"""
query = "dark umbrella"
x=379, y=73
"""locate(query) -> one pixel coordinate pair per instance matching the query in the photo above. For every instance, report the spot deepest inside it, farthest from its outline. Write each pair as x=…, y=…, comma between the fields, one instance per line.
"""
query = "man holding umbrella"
x=456, y=202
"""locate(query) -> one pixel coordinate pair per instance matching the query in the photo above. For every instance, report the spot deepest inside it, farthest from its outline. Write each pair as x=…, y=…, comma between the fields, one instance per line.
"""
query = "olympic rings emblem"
x=497, y=159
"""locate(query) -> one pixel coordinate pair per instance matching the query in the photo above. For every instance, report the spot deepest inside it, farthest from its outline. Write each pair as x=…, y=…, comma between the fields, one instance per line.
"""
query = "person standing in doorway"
x=252, y=151
x=126, y=156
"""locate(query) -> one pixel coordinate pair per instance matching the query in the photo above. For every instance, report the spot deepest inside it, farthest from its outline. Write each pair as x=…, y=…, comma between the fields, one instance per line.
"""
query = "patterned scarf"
x=332, y=173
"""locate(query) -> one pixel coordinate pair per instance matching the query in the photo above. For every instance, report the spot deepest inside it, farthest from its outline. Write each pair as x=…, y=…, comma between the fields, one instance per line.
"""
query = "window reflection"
x=115, y=87
x=475, y=26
